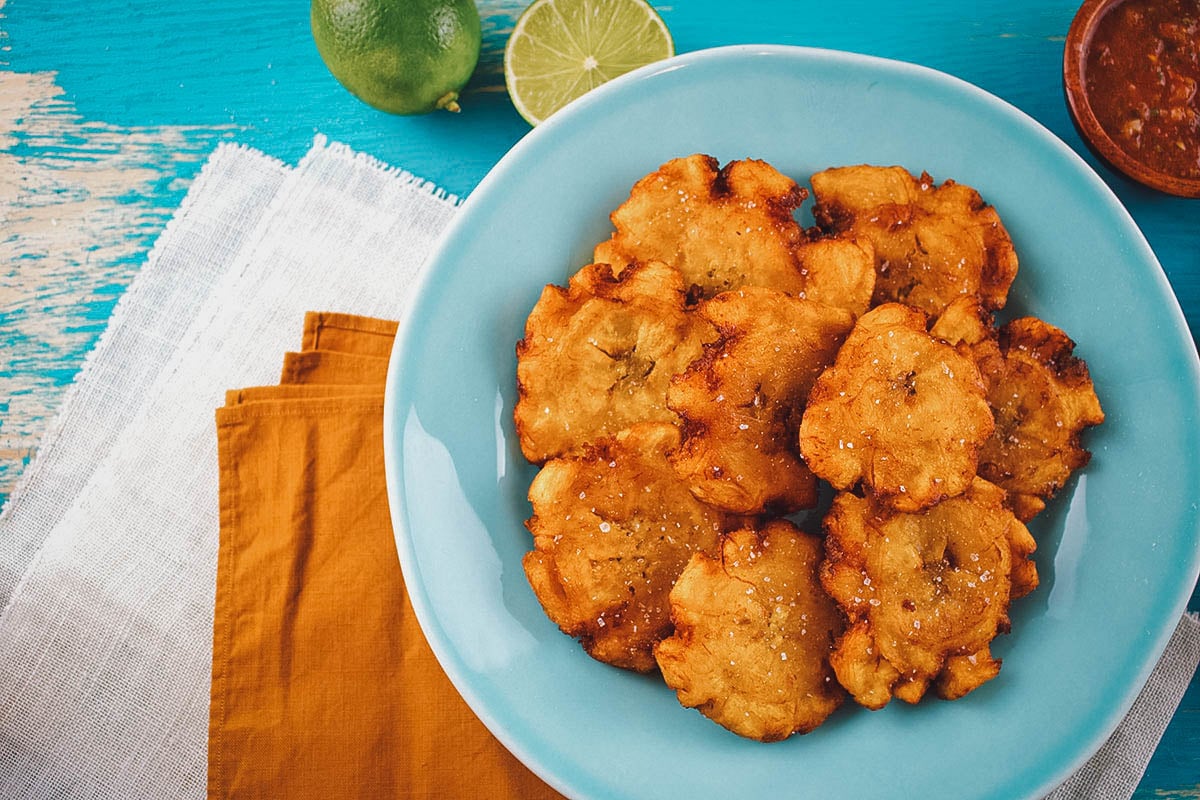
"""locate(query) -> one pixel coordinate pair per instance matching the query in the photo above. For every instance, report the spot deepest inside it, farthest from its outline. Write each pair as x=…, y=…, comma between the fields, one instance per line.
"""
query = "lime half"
x=560, y=49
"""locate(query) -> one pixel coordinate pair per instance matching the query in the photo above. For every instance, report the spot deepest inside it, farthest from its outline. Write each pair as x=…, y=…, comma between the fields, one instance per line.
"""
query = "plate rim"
x=407, y=334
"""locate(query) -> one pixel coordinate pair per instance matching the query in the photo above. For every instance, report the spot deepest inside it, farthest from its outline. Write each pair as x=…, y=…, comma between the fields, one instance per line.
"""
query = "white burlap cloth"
x=108, y=546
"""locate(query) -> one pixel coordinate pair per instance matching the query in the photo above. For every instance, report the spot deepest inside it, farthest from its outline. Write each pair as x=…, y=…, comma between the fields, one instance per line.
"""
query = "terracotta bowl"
x=1075, y=59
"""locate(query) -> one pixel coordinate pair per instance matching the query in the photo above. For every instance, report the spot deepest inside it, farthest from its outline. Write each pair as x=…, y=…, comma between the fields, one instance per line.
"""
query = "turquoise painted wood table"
x=109, y=107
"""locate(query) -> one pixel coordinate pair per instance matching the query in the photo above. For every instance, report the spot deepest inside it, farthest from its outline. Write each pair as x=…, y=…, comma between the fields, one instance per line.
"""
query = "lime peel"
x=399, y=56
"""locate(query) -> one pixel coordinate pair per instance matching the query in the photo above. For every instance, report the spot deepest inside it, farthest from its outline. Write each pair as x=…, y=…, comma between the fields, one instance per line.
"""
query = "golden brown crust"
x=722, y=228
x=598, y=355
x=839, y=272
x=1043, y=399
x=1041, y=396
x=753, y=633
x=920, y=591
x=612, y=529
x=966, y=325
x=740, y=402
x=964, y=673
x=899, y=410
x=932, y=243
x=714, y=361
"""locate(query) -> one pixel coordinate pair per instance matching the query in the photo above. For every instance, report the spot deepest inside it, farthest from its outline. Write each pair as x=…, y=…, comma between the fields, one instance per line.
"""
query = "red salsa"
x=1143, y=70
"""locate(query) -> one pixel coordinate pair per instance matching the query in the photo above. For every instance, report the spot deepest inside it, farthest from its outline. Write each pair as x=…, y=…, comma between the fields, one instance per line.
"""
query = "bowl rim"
x=1075, y=53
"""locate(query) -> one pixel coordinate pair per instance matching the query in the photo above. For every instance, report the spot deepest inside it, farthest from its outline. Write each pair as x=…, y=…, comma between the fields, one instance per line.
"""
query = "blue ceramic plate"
x=1119, y=549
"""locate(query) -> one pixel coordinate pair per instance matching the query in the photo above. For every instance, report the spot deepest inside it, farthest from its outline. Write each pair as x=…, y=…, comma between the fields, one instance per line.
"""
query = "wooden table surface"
x=109, y=107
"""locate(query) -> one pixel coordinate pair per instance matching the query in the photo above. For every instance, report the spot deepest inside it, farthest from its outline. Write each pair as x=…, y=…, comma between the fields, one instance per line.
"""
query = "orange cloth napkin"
x=323, y=685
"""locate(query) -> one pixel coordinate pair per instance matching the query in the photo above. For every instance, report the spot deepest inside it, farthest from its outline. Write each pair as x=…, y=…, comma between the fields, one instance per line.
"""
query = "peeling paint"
x=496, y=22
x=81, y=202
x=1183, y=793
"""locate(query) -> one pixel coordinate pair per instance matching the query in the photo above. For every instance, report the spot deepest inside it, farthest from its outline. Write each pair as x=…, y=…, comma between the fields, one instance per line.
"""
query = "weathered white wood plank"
x=81, y=202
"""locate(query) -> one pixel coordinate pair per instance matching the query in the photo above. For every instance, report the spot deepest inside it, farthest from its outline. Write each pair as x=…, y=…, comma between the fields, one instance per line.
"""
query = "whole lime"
x=400, y=56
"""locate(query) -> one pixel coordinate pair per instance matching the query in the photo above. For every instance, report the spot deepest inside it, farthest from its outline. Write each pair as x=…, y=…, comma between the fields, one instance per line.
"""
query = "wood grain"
x=106, y=115
x=81, y=202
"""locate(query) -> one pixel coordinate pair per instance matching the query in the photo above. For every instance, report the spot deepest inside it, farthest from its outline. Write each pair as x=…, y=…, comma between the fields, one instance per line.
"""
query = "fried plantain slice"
x=753, y=634
x=924, y=594
x=839, y=272
x=967, y=325
x=741, y=401
x=612, y=529
x=899, y=410
x=722, y=228
x=932, y=243
x=1042, y=398
x=597, y=356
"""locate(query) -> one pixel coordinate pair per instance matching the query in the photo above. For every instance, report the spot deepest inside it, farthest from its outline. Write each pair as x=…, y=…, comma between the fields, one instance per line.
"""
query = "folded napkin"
x=109, y=546
x=321, y=676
